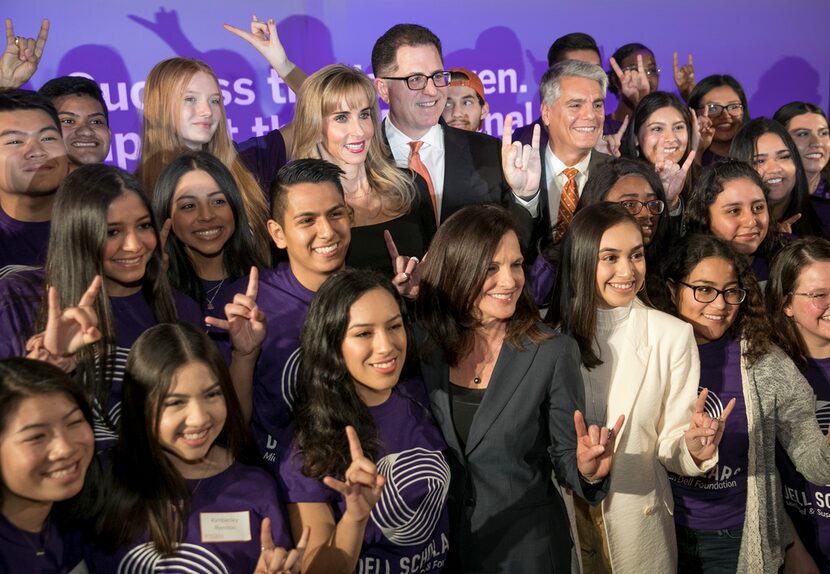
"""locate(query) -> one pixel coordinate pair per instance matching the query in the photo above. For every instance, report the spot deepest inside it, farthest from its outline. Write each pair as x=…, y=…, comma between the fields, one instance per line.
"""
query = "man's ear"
x=382, y=89
x=485, y=109
x=277, y=234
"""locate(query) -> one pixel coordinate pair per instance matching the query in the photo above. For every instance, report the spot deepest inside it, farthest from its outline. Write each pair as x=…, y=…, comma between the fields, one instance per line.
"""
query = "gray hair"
x=550, y=84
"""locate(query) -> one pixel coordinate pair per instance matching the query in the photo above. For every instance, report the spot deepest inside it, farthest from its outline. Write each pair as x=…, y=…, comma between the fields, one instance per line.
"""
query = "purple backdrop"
x=778, y=54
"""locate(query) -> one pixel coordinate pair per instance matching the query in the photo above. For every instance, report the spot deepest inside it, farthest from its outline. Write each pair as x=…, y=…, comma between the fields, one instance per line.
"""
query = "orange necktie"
x=416, y=165
x=567, y=203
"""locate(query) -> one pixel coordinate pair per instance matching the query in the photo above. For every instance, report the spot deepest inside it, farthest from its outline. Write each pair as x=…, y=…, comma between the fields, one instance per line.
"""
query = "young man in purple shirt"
x=311, y=222
x=32, y=165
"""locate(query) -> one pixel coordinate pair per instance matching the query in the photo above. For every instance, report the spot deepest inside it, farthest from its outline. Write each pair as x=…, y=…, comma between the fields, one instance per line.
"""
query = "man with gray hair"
x=573, y=113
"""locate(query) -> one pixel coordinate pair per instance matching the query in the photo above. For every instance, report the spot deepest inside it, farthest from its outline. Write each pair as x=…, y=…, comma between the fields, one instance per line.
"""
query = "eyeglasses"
x=717, y=109
x=655, y=206
x=649, y=71
x=707, y=294
x=818, y=299
x=419, y=81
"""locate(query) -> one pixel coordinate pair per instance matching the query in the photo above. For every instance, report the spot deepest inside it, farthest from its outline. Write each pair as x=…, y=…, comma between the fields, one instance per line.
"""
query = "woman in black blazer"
x=507, y=394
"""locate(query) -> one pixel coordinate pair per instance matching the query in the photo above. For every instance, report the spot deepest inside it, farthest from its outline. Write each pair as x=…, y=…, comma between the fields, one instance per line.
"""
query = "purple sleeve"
x=264, y=156
x=297, y=487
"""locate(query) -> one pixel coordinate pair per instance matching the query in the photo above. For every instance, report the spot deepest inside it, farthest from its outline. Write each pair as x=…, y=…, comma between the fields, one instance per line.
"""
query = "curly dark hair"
x=751, y=323
x=783, y=280
x=327, y=400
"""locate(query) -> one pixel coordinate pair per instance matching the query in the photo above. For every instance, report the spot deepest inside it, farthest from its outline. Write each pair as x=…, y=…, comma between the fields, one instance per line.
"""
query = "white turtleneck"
x=610, y=334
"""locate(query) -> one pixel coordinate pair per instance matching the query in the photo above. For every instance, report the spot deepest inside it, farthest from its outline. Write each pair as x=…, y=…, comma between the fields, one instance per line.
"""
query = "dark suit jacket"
x=506, y=515
x=473, y=175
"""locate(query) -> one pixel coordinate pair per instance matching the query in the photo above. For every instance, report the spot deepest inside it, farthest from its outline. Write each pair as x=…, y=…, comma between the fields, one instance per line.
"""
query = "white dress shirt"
x=555, y=179
x=432, y=154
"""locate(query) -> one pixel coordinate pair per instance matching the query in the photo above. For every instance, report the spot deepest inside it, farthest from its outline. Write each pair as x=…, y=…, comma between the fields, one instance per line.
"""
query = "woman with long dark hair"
x=102, y=227
x=722, y=100
x=766, y=146
x=507, y=394
x=367, y=469
x=639, y=362
x=180, y=491
x=807, y=124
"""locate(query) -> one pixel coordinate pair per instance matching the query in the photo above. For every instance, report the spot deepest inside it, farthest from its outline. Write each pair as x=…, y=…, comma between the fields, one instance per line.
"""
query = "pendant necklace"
x=211, y=294
x=44, y=541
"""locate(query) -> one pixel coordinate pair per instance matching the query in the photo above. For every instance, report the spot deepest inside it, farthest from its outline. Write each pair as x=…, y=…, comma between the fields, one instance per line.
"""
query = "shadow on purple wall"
x=787, y=80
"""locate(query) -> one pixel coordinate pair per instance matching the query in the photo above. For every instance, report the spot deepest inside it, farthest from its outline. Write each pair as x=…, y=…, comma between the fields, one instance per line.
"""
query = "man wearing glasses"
x=461, y=168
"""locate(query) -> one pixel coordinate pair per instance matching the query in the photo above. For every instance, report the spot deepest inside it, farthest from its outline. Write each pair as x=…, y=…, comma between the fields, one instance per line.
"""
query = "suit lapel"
x=457, y=169
x=436, y=375
x=627, y=381
x=509, y=371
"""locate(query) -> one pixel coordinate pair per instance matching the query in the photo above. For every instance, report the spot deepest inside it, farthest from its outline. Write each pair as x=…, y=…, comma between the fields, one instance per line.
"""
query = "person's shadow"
x=789, y=79
x=503, y=74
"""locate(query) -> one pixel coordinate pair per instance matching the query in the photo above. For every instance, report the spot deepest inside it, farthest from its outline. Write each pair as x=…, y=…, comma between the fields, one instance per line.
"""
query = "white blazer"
x=655, y=387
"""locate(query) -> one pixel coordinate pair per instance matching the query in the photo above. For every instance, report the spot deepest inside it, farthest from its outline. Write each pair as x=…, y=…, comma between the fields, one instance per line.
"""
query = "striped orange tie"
x=416, y=165
x=567, y=203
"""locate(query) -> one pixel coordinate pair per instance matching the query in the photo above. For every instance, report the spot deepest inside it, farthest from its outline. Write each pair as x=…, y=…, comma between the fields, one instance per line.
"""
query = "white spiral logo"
x=713, y=405
x=403, y=520
x=187, y=559
x=290, y=374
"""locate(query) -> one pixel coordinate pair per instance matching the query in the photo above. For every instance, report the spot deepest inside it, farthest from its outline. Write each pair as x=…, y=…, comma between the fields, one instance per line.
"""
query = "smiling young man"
x=461, y=167
x=84, y=119
x=312, y=224
x=573, y=113
x=32, y=165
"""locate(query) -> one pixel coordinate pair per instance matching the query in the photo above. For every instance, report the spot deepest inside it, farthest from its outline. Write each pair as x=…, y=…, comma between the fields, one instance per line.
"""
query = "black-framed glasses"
x=419, y=81
x=707, y=294
x=655, y=206
x=717, y=109
x=649, y=71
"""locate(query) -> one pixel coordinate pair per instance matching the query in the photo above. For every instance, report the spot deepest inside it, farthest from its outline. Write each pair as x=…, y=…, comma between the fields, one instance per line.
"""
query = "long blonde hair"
x=161, y=144
x=322, y=94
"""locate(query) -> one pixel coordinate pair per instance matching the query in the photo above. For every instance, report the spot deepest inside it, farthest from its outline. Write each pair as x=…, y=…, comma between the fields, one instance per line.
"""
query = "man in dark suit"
x=573, y=113
x=462, y=168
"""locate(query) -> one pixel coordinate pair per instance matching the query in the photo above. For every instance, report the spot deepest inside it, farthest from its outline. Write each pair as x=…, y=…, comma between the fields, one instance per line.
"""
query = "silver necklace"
x=44, y=541
x=212, y=293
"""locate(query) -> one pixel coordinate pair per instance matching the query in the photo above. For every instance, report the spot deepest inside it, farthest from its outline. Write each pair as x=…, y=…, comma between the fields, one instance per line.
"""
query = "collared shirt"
x=432, y=154
x=554, y=182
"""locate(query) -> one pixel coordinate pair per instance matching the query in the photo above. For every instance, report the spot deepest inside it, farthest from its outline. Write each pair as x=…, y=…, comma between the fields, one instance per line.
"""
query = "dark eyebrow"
x=358, y=325
x=22, y=133
x=211, y=194
x=44, y=425
x=184, y=396
x=609, y=250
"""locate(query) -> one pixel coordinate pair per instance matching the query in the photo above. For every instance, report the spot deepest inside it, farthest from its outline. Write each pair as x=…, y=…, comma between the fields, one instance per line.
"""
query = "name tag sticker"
x=225, y=526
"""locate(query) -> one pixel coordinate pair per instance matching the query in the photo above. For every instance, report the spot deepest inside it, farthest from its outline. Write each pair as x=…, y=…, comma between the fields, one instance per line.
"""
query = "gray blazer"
x=506, y=515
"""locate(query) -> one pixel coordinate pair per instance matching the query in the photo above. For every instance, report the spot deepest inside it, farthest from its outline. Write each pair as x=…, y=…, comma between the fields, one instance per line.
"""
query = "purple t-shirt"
x=22, y=243
x=408, y=527
x=718, y=500
x=63, y=552
x=807, y=504
x=285, y=302
x=217, y=295
x=21, y=295
x=222, y=532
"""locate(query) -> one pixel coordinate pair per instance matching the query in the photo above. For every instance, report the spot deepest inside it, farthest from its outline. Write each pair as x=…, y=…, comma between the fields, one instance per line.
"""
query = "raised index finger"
x=701, y=401
x=390, y=245
x=579, y=425
x=616, y=67
x=537, y=134
x=507, y=132
x=253, y=283
x=41, y=38
x=89, y=296
x=675, y=63
x=265, y=539
x=355, y=449
x=9, y=32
